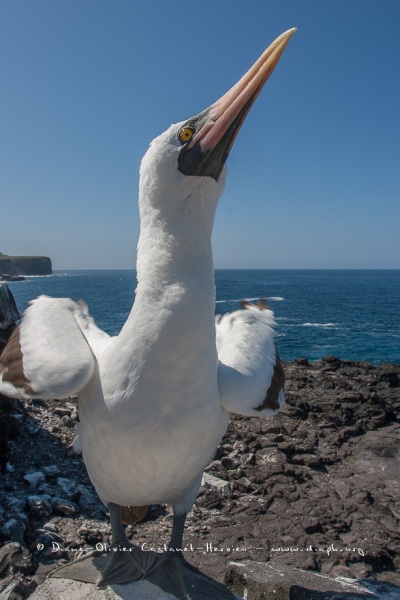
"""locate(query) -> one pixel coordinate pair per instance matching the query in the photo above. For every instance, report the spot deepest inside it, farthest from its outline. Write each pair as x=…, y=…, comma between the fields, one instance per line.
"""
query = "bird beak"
x=216, y=128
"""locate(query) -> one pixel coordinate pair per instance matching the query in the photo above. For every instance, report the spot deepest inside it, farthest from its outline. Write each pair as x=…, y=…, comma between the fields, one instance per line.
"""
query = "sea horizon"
x=349, y=313
x=237, y=269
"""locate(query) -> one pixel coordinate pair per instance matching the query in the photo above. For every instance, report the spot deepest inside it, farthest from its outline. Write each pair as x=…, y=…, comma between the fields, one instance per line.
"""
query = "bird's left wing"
x=52, y=353
x=250, y=373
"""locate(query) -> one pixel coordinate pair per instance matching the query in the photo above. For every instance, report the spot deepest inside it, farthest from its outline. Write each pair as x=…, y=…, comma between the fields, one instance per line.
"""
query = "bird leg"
x=173, y=574
x=176, y=540
x=122, y=563
x=125, y=562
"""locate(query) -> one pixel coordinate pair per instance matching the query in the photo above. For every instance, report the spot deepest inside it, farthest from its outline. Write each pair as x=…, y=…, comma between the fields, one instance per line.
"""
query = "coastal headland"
x=15, y=266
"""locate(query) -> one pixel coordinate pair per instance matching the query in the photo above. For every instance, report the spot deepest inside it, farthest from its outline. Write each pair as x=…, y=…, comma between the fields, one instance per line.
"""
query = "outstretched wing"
x=50, y=353
x=250, y=373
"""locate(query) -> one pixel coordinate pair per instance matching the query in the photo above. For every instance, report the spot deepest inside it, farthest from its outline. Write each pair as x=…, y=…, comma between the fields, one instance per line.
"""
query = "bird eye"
x=185, y=134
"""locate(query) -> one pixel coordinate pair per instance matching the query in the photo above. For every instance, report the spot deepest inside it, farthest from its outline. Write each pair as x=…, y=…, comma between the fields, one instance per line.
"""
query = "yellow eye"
x=185, y=134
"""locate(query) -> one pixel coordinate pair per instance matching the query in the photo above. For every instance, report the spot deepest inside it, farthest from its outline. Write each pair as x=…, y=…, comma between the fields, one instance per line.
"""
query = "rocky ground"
x=316, y=487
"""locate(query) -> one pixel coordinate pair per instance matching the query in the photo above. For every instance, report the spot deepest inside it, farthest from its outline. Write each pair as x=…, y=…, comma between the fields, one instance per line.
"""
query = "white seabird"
x=154, y=401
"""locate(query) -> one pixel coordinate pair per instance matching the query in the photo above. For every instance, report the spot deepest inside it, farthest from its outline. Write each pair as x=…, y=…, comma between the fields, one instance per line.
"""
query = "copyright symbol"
x=40, y=546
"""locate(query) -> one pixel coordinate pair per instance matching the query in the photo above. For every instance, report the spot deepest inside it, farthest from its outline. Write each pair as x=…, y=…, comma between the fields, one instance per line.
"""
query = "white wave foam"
x=275, y=298
x=325, y=325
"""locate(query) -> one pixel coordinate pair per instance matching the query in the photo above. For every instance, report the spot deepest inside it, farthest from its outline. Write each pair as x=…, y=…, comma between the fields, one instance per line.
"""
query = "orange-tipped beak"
x=216, y=128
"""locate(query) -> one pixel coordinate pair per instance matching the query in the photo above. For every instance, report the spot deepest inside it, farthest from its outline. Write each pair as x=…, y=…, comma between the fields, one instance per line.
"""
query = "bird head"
x=188, y=160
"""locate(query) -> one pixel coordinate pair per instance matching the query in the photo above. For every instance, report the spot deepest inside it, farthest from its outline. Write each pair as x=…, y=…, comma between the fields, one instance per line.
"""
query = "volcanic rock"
x=65, y=589
x=34, y=479
x=315, y=488
x=9, y=314
x=258, y=581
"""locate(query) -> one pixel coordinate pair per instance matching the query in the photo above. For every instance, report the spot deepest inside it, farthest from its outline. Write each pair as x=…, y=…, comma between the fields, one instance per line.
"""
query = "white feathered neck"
x=173, y=312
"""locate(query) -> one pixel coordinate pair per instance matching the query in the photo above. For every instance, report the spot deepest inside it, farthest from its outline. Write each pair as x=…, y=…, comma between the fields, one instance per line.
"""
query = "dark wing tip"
x=11, y=367
x=261, y=304
x=271, y=400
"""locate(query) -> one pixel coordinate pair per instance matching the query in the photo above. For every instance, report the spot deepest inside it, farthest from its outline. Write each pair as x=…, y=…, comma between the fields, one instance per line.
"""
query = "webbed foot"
x=122, y=563
x=174, y=575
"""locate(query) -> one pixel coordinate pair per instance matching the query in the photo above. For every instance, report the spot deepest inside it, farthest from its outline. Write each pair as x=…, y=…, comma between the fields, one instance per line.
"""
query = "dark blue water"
x=350, y=314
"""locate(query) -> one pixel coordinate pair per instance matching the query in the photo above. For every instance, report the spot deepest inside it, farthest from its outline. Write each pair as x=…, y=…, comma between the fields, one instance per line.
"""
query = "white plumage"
x=248, y=362
x=154, y=401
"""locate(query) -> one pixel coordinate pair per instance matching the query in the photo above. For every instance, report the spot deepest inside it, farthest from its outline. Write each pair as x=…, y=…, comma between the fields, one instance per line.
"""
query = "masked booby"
x=154, y=401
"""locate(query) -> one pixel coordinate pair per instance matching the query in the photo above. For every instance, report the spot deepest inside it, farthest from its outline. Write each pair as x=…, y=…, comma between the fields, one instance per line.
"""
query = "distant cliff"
x=25, y=265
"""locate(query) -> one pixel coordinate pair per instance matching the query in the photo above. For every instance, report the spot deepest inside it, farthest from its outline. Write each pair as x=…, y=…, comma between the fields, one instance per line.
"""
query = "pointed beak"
x=217, y=127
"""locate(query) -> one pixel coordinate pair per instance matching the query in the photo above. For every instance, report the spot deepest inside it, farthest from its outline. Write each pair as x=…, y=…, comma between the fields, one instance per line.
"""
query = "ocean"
x=351, y=314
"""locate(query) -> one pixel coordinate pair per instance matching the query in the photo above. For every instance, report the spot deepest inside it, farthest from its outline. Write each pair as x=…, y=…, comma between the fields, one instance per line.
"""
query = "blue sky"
x=314, y=176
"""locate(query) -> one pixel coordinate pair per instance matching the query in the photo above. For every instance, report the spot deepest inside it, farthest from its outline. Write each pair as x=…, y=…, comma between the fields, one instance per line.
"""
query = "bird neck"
x=174, y=247
x=172, y=320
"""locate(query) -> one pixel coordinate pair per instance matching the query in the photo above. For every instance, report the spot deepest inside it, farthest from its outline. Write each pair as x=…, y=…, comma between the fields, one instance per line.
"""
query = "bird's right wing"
x=250, y=373
x=50, y=354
